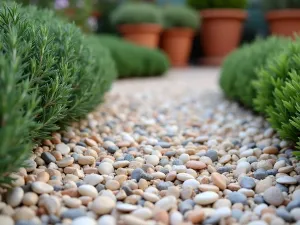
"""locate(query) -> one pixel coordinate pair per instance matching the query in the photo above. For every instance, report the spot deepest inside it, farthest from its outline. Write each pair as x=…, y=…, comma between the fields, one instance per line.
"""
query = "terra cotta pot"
x=284, y=22
x=220, y=33
x=142, y=34
x=177, y=43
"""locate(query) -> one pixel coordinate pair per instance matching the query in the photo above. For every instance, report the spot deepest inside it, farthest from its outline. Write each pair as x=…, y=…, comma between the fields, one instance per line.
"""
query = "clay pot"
x=284, y=22
x=142, y=34
x=220, y=33
x=177, y=43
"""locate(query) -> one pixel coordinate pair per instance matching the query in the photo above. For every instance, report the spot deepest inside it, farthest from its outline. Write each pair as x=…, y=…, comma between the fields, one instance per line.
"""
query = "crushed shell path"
x=160, y=151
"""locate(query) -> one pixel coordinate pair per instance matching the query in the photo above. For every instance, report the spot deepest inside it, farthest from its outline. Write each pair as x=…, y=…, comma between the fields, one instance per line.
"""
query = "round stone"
x=7, y=220
x=107, y=220
x=30, y=198
x=260, y=174
x=125, y=207
x=121, y=164
x=143, y=213
x=150, y=197
x=208, y=187
x=88, y=190
x=14, y=197
x=206, y=198
x=273, y=196
x=152, y=159
x=112, y=185
x=41, y=187
x=67, y=161
x=93, y=179
x=262, y=185
x=191, y=183
x=242, y=167
x=236, y=197
x=223, y=212
x=86, y=160
x=103, y=205
x=286, y=180
x=48, y=157
x=196, y=165
x=105, y=168
x=218, y=180
x=247, y=182
x=63, y=148
x=23, y=213
x=166, y=203
x=184, y=176
x=72, y=202
x=212, y=154
x=84, y=220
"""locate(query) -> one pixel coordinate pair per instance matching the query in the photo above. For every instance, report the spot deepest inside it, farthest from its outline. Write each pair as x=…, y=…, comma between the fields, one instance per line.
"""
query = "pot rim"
x=283, y=14
x=141, y=27
x=224, y=14
x=179, y=31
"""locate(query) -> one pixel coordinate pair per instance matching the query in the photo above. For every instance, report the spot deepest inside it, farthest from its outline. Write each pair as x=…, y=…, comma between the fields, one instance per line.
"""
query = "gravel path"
x=160, y=151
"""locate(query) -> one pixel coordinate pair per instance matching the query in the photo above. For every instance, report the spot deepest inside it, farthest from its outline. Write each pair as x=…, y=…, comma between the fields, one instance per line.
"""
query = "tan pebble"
x=23, y=213
x=121, y=164
x=91, y=152
x=263, y=185
x=234, y=187
x=72, y=202
x=122, y=144
x=112, y=185
x=72, y=192
x=90, y=142
x=103, y=205
x=143, y=213
x=225, y=159
x=51, y=205
x=222, y=203
x=30, y=198
x=41, y=187
x=171, y=176
x=14, y=196
x=17, y=180
x=57, y=155
x=132, y=220
x=132, y=199
x=196, y=216
x=208, y=187
x=173, y=190
x=105, y=168
x=86, y=160
x=43, y=176
x=90, y=170
x=121, y=195
x=93, y=179
x=67, y=161
x=6, y=220
x=271, y=150
x=120, y=178
x=161, y=216
x=88, y=190
x=196, y=165
x=166, y=203
x=158, y=175
x=143, y=184
x=7, y=210
x=150, y=197
x=85, y=200
x=218, y=180
x=286, y=169
x=138, y=192
x=184, y=176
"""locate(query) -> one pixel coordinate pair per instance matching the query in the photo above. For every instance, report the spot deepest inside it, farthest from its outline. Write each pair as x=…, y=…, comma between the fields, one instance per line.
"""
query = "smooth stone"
x=260, y=174
x=164, y=144
x=223, y=212
x=218, y=180
x=258, y=199
x=143, y=213
x=224, y=169
x=112, y=149
x=258, y=209
x=184, y=176
x=196, y=165
x=296, y=194
x=258, y=222
x=41, y=187
x=211, y=220
x=236, y=197
x=84, y=220
x=93, y=179
x=73, y=213
x=242, y=167
x=186, y=206
x=6, y=220
x=164, y=185
x=196, y=216
x=236, y=213
x=138, y=174
x=273, y=196
x=125, y=207
x=271, y=150
x=72, y=202
x=262, y=185
x=88, y=190
x=107, y=220
x=212, y=154
x=206, y=198
x=152, y=159
x=225, y=159
x=14, y=196
x=23, y=213
x=121, y=164
x=286, y=180
x=176, y=218
x=67, y=161
x=86, y=160
x=208, y=187
x=105, y=168
x=247, y=182
x=103, y=205
x=191, y=183
x=30, y=198
x=272, y=172
x=166, y=203
x=150, y=197
x=48, y=157
x=284, y=214
x=293, y=204
x=132, y=220
x=63, y=148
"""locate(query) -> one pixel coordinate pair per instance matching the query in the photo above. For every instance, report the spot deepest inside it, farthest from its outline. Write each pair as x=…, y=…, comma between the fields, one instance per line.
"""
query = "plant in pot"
x=283, y=16
x=140, y=23
x=221, y=28
x=180, y=23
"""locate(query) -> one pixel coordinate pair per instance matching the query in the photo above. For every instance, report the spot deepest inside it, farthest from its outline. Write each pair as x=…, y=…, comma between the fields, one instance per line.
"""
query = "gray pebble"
x=258, y=199
x=127, y=190
x=25, y=222
x=284, y=214
x=287, y=161
x=165, y=171
x=129, y=157
x=260, y=174
x=75, y=156
x=171, y=153
x=211, y=220
x=293, y=204
x=247, y=182
x=164, y=185
x=282, y=187
x=252, y=159
x=112, y=149
x=53, y=219
x=138, y=173
x=272, y=172
x=224, y=169
x=73, y=213
x=164, y=144
x=212, y=154
x=236, y=197
x=48, y=157
x=237, y=214
x=100, y=187
x=164, y=162
x=185, y=206
x=177, y=162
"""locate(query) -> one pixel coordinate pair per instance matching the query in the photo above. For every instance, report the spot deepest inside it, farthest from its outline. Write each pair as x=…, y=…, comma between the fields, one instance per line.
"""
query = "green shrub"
x=179, y=16
x=142, y=61
x=240, y=68
x=136, y=13
x=280, y=4
x=43, y=56
x=211, y=4
x=277, y=89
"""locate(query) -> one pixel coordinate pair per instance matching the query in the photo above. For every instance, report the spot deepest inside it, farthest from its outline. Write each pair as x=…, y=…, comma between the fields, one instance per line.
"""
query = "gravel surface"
x=160, y=151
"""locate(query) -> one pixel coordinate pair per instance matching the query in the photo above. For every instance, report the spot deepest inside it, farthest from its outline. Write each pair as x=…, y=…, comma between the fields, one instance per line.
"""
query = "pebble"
x=196, y=165
x=236, y=197
x=48, y=157
x=84, y=220
x=103, y=205
x=41, y=187
x=218, y=180
x=206, y=198
x=152, y=159
x=150, y=197
x=125, y=207
x=166, y=203
x=196, y=216
x=86, y=160
x=260, y=174
x=67, y=161
x=23, y=213
x=262, y=185
x=236, y=213
x=212, y=154
x=30, y=198
x=184, y=176
x=105, y=168
x=284, y=214
x=63, y=148
x=132, y=220
x=242, y=167
x=93, y=179
x=286, y=180
x=143, y=213
x=88, y=190
x=73, y=213
x=138, y=173
x=107, y=220
x=273, y=196
x=247, y=182
x=14, y=197
x=176, y=218
x=191, y=183
x=72, y=202
x=223, y=212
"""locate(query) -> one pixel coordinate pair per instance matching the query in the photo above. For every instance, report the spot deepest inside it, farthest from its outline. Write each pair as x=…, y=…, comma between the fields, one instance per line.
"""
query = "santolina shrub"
x=49, y=77
x=132, y=60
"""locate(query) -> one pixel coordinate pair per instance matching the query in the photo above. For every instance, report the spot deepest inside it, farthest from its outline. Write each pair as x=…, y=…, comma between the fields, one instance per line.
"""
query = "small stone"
x=125, y=207
x=223, y=212
x=262, y=185
x=273, y=196
x=260, y=174
x=121, y=164
x=258, y=222
x=143, y=213
x=164, y=144
x=191, y=183
x=164, y=185
x=73, y=213
x=132, y=220
x=271, y=150
x=161, y=216
x=166, y=203
x=30, y=165
x=293, y=204
x=103, y=205
x=6, y=220
x=184, y=176
x=213, y=220
x=152, y=159
x=176, y=218
x=196, y=216
x=206, y=198
x=247, y=182
x=30, y=198
x=72, y=202
x=258, y=209
x=218, y=180
x=48, y=157
x=258, y=199
x=107, y=220
x=284, y=214
x=23, y=213
x=88, y=190
x=67, y=161
x=138, y=173
x=105, y=168
x=14, y=197
x=63, y=148
x=41, y=187
x=223, y=202
x=84, y=220
x=242, y=167
x=236, y=213
x=264, y=164
x=93, y=179
x=112, y=185
x=150, y=197
x=236, y=197
x=196, y=165
x=225, y=159
x=212, y=154
x=286, y=180
x=86, y=160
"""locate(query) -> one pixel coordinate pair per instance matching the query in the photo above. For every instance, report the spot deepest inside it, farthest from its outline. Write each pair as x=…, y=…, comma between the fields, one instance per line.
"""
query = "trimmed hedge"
x=280, y=4
x=136, y=13
x=49, y=77
x=179, y=16
x=132, y=60
x=240, y=68
x=211, y=4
